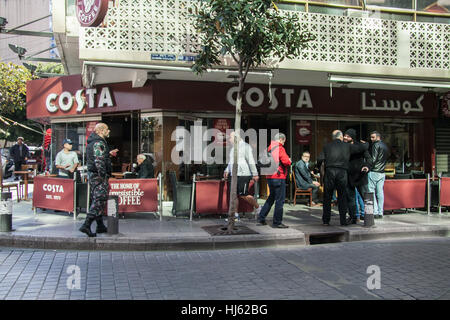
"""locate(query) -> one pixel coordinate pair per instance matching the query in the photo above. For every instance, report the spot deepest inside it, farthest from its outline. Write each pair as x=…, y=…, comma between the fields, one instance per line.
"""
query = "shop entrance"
x=123, y=136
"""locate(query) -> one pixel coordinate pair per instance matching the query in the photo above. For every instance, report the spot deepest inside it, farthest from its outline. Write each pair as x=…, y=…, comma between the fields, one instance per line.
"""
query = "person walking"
x=66, y=160
x=276, y=182
x=19, y=153
x=303, y=177
x=336, y=156
x=357, y=176
x=246, y=171
x=99, y=171
x=379, y=153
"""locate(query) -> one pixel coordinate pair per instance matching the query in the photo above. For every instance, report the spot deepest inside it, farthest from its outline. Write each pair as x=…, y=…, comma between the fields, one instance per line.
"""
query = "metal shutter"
x=442, y=149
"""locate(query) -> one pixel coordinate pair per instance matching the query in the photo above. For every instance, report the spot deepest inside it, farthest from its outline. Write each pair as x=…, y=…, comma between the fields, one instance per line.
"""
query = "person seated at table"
x=303, y=177
x=66, y=160
x=144, y=168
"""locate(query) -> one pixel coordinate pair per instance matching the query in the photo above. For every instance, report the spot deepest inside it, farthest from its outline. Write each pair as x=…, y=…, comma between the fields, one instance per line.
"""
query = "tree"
x=252, y=32
x=13, y=81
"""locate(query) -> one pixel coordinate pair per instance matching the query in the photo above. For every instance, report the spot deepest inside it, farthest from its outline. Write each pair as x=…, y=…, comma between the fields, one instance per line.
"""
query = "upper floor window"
x=398, y=4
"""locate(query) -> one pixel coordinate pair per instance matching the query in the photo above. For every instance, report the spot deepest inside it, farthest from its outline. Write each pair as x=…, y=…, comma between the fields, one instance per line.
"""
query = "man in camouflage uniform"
x=99, y=171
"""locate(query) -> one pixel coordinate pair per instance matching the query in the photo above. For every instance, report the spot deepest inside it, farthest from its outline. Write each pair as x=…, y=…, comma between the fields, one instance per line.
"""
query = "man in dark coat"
x=99, y=171
x=303, y=177
x=357, y=175
x=19, y=153
x=145, y=167
x=336, y=155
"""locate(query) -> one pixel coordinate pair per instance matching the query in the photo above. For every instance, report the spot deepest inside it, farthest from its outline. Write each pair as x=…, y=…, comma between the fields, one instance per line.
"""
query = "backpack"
x=266, y=160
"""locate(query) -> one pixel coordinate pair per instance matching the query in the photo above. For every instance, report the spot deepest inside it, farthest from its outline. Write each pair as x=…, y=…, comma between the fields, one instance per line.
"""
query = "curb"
x=133, y=244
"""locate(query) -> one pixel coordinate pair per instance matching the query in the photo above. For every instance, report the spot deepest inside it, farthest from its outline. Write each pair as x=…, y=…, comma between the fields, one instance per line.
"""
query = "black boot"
x=86, y=227
x=101, y=228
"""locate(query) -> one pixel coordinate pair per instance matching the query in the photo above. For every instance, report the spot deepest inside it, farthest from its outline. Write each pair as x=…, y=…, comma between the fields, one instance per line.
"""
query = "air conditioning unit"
x=356, y=13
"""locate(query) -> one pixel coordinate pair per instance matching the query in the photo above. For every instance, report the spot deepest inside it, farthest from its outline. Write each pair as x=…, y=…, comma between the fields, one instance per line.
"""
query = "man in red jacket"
x=276, y=182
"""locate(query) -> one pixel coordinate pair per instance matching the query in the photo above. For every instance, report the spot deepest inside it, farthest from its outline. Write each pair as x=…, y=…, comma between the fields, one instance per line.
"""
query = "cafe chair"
x=301, y=192
x=181, y=195
x=403, y=176
x=8, y=185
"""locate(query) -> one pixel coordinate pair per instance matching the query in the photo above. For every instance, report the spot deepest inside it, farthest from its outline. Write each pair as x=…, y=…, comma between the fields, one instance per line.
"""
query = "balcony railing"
x=148, y=31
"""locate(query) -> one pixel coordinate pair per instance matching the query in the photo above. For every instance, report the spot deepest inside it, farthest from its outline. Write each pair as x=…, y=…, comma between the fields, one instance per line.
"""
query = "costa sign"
x=65, y=101
x=90, y=13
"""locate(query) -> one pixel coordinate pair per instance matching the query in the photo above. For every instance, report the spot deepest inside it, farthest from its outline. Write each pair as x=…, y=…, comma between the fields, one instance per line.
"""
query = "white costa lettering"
x=54, y=188
x=66, y=100
x=255, y=97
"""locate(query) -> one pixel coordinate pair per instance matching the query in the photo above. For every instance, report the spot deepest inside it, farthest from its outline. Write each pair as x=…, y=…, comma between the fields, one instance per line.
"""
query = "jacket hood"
x=94, y=137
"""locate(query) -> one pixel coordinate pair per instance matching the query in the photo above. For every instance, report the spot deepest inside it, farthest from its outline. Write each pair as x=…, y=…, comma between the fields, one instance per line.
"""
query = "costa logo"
x=53, y=188
x=90, y=13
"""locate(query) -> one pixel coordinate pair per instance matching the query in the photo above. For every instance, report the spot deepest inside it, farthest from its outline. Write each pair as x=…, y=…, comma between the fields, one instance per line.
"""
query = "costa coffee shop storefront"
x=142, y=120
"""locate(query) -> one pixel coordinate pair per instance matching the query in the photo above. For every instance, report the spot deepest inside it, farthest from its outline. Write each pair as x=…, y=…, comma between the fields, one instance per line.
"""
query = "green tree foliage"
x=254, y=33
x=13, y=81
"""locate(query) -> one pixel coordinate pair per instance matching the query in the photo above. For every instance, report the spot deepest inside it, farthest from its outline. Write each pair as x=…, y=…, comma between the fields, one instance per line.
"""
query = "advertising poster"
x=135, y=195
x=303, y=132
x=222, y=125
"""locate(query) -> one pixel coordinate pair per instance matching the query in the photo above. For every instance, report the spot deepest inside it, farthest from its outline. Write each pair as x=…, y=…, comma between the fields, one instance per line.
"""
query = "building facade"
x=372, y=66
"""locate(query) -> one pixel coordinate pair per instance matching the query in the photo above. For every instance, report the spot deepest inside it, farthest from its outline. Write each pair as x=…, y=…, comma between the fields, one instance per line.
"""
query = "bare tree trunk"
x=233, y=206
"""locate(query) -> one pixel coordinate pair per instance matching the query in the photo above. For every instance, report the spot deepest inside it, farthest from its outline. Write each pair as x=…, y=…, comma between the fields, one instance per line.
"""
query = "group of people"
x=352, y=168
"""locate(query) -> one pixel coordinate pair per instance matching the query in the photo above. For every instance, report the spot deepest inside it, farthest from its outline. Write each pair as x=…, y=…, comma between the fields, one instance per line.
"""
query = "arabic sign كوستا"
x=391, y=105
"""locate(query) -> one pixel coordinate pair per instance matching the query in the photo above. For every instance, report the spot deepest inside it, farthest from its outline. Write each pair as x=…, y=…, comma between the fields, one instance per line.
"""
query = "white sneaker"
x=257, y=211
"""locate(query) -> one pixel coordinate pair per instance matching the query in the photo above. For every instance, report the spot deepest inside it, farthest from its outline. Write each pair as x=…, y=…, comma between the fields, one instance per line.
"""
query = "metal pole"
x=439, y=192
x=160, y=196
x=6, y=212
x=192, y=196
x=368, y=209
x=75, y=195
x=429, y=194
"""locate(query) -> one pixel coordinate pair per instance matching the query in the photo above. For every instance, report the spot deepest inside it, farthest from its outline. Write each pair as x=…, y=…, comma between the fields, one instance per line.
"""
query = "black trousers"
x=335, y=178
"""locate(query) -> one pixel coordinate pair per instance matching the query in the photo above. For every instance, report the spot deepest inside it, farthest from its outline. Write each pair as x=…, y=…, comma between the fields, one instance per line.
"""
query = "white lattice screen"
x=164, y=27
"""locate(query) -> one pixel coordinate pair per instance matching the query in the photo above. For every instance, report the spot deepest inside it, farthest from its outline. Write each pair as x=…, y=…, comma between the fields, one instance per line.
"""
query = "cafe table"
x=25, y=174
x=118, y=175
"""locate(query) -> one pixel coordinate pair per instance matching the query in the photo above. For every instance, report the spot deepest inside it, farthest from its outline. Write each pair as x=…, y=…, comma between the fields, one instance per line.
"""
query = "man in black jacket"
x=336, y=155
x=357, y=175
x=19, y=153
x=145, y=167
x=303, y=177
x=379, y=153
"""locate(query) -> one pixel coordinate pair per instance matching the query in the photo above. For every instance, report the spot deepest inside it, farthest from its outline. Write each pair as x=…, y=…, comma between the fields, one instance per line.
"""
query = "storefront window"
x=151, y=140
x=441, y=6
x=73, y=131
x=343, y=2
x=398, y=4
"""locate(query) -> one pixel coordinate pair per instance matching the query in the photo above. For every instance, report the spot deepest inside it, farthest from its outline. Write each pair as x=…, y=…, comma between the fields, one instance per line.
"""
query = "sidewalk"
x=144, y=231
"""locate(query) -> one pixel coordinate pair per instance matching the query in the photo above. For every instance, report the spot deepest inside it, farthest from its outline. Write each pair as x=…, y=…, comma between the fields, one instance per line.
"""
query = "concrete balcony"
x=160, y=33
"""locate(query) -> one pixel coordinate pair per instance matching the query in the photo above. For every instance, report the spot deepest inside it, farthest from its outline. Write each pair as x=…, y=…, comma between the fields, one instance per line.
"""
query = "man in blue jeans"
x=379, y=153
x=276, y=182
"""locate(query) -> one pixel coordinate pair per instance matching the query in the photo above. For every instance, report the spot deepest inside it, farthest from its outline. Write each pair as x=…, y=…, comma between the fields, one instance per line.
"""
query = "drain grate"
x=322, y=238
x=221, y=230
